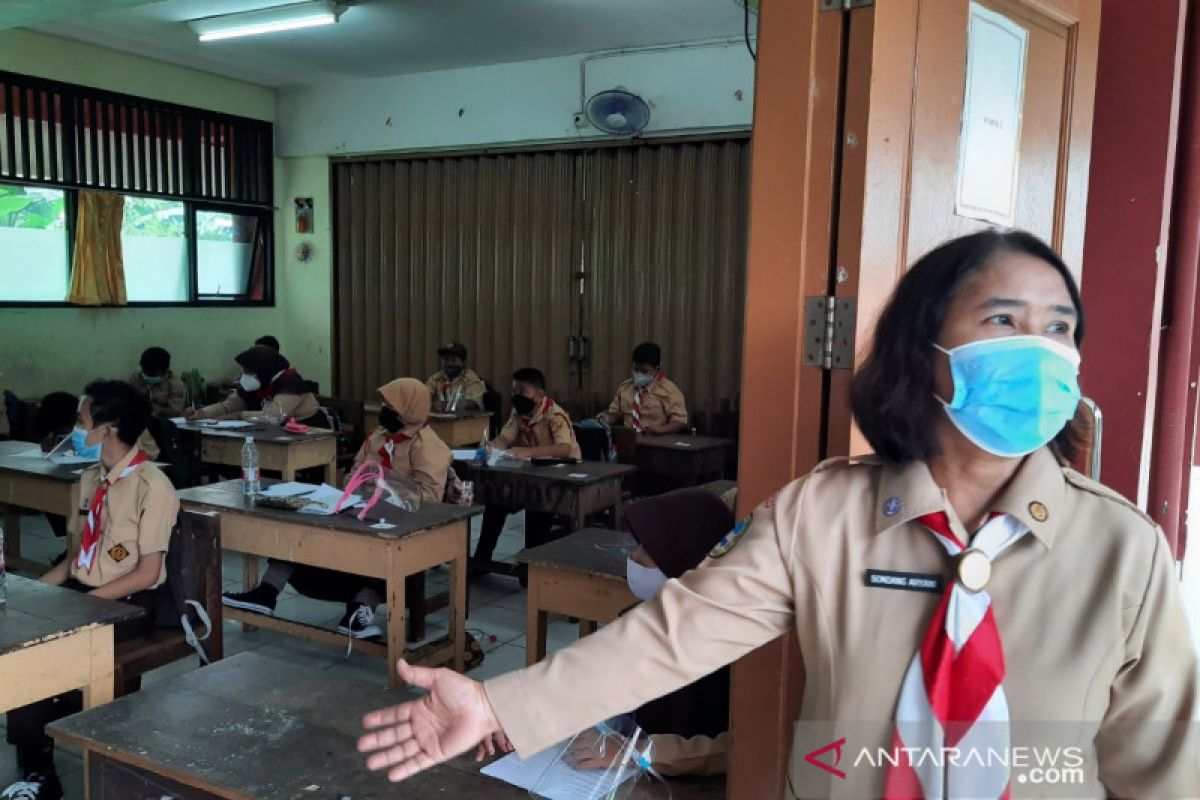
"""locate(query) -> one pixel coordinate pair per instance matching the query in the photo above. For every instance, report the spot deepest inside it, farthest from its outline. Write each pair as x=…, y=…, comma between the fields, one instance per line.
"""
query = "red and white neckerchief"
x=267, y=392
x=953, y=693
x=389, y=446
x=528, y=425
x=635, y=413
x=90, y=541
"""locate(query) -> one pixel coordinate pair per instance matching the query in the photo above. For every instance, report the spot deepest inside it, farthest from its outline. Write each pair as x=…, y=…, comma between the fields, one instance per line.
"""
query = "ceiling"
x=387, y=37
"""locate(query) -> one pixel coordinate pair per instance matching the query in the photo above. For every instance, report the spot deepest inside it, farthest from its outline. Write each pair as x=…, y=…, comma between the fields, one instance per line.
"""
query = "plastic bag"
x=612, y=760
x=400, y=492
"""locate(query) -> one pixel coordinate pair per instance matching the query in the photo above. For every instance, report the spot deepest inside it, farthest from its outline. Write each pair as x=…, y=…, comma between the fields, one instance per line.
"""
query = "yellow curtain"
x=97, y=270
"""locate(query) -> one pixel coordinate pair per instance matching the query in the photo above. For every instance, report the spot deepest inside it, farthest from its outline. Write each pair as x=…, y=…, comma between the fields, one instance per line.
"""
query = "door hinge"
x=845, y=5
x=829, y=332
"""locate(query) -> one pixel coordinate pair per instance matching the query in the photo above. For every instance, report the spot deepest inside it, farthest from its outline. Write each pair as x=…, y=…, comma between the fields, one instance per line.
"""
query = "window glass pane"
x=154, y=245
x=226, y=248
x=33, y=244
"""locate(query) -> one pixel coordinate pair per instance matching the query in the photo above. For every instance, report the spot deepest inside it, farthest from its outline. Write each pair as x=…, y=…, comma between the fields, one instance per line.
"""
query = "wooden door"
x=865, y=108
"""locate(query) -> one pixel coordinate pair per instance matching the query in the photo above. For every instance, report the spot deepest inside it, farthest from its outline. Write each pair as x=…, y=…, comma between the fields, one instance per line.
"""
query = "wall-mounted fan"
x=618, y=112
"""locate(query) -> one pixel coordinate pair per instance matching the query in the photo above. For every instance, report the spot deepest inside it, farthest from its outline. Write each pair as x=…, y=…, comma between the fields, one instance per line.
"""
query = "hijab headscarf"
x=410, y=399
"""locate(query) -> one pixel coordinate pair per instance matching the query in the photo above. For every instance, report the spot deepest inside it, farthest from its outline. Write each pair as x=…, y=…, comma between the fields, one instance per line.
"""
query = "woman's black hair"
x=119, y=403
x=892, y=393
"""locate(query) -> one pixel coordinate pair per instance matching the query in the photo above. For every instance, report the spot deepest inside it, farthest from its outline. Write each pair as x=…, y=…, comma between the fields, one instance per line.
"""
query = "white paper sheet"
x=57, y=458
x=324, y=499
x=179, y=420
x=229, y=424
x=553, y=778
x=289, y=489
x=464, y=455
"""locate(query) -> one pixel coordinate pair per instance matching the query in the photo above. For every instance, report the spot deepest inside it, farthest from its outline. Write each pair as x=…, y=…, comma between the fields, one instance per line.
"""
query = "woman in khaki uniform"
x=412, y=455
x=268, y=387
x=957, y=596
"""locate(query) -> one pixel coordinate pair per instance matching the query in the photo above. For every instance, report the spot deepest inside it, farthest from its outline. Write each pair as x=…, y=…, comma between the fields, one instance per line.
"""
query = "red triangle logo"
x=814, y=757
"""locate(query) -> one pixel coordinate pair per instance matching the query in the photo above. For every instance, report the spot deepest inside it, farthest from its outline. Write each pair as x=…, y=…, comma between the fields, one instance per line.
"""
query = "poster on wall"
x=304, y=214
x=989, y=146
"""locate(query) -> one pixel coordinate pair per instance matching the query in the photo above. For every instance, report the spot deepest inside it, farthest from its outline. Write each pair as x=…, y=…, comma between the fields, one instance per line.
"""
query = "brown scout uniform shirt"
x=549, y=428
x=441, y=387
x=139, y=513
x=662, y=402
x=299, y=406
x=424, y=459
x=167, y=399
x=1087, y=606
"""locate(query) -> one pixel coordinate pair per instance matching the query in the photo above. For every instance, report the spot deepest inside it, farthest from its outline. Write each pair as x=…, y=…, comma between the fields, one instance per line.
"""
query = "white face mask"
x=250, y=383
x=644, y=582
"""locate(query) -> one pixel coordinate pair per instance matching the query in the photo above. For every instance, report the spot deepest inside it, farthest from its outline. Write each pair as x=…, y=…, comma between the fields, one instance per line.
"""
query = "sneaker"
x=36, y=786
x=359, y=623
x=261, y=599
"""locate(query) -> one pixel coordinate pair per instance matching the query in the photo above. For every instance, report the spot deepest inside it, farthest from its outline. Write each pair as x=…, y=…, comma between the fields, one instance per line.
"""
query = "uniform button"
x=974, y=570
x=892, y=506
x=1039, y=511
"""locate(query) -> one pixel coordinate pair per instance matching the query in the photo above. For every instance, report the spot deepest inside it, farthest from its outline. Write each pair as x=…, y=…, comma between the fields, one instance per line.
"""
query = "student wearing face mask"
x=268, y=387
x=455, y=387
x=168, y=395
x=647, y=402
x=537, y=427
x=961, y=588
x=409, y=450
x=122, y=532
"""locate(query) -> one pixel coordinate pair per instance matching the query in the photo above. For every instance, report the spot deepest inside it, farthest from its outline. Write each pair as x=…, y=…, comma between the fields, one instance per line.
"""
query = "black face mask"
x=452, y=372
x=522, y=404
x=390, y=420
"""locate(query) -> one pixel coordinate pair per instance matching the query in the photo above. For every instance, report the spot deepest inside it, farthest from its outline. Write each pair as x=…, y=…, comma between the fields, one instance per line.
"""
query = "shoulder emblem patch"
x=730, y=540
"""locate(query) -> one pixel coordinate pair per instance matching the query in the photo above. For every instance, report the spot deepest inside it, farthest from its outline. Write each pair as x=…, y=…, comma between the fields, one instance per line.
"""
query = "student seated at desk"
x=167, y=394
x=455, y=380
x=412, y=453
x=537, y=427
x=268, y=387
x=688, y=728
x=648, y=402
x=124, y=526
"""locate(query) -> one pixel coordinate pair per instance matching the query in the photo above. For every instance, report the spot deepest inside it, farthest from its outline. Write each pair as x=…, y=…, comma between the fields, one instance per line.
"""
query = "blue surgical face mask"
x=642, y=380
x=153, y=380
x=1014, y=394
x=80, y=446
x=644, y=582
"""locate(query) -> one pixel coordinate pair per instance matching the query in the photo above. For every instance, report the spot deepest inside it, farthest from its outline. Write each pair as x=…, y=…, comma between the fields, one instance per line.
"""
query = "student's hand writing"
x=452, y=718
x=519, y=452
x=591, y=750
x=190, y=413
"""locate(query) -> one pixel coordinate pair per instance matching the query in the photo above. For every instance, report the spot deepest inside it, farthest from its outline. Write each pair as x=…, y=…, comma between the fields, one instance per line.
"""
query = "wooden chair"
x=194, y=568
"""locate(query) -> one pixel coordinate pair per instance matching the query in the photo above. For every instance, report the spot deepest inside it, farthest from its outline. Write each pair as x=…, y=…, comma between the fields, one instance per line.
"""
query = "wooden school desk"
x=257, y=728
x=572, y=491
x=36, y=484
x=581, y=575
x=435, y=534
x=681, y=460
x=461, y=428
x=53, y=640
x=278, y=450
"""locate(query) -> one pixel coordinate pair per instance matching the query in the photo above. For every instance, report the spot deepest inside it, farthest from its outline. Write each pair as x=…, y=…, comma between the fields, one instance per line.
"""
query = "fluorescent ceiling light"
x=267, y=20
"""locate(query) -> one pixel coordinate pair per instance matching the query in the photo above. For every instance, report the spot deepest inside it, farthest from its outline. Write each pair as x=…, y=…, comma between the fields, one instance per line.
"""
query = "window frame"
x=190, y=208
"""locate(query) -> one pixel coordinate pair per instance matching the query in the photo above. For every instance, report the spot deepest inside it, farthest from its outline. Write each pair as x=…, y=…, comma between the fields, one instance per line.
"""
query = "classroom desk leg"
x=616, y=506
x=535, y=622
x=100, y=687
x=249, y=580
x=587, y=627
x=396, y=618
x=456, y=611
x=12, y=536
x=331, y=472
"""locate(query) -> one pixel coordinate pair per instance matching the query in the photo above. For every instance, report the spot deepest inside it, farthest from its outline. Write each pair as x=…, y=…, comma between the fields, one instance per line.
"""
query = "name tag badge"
x=905, y=581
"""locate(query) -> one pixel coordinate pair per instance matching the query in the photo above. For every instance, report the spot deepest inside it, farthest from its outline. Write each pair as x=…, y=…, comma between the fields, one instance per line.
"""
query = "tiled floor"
x=497, y=619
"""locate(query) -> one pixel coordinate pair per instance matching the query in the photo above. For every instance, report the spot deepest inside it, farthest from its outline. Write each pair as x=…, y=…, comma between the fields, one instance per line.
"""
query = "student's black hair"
x=648, y=353
x=892, y=393
x=155, y=361
x=120, y=403
x=55, y=414
x=269, y=341
x=533, y=377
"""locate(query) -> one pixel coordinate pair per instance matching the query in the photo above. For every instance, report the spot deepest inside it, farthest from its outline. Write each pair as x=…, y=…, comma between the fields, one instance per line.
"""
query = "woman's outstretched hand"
x=451, y=719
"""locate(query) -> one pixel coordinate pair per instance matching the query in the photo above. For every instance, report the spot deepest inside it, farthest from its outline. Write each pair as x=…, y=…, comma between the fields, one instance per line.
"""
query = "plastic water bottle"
x=3, y=570
x=250, y=481
x=481, y=455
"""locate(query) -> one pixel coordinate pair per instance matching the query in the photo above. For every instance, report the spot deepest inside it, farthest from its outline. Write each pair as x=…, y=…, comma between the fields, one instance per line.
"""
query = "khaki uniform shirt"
x=167, y=399
x=441, y=387
x=550, y=427
x=424, y=460
x=1087, y=607
x=298, y=406
x=662, y=402
x=139, y=513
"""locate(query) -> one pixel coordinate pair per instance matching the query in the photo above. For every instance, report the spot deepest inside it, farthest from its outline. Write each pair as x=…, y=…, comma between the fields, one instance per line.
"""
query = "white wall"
x=690, y=88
